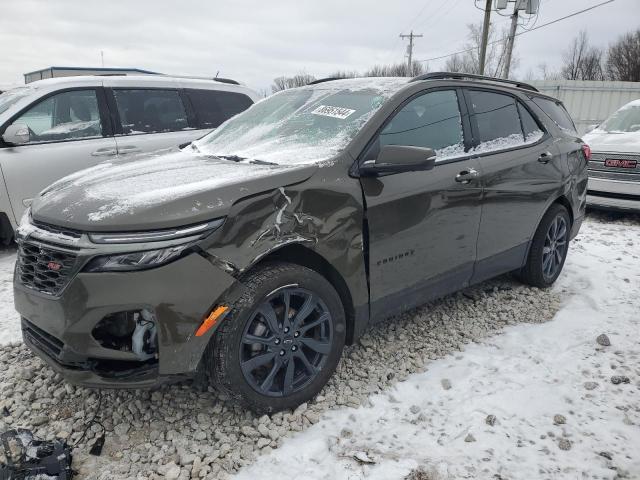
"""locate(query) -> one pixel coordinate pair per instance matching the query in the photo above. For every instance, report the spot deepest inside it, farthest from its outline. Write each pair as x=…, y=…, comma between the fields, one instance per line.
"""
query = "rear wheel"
x=281, y=341
x=548, y=249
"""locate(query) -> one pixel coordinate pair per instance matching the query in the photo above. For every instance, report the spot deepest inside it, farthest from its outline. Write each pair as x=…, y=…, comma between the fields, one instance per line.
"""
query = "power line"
x=519, y=33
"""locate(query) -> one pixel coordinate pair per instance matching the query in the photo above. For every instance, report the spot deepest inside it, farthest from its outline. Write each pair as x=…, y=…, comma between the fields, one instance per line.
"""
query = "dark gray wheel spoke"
x=307, y=307
x=269, y=314
x=257, y=361
x=558, y=257
x=286, y=297
x=305, y=361
x=321, y=347
x=288, y=376
x=268, y=381
x=321, y=319
x=253, y=339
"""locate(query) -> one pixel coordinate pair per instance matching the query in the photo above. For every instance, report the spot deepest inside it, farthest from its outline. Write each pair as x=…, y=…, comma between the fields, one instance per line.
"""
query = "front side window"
x=150, y=111
x=214, y=107
x=431, y=121
x=66, y=116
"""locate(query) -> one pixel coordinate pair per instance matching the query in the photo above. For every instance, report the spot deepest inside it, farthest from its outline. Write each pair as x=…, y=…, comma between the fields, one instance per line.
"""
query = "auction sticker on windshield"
x=335, y=112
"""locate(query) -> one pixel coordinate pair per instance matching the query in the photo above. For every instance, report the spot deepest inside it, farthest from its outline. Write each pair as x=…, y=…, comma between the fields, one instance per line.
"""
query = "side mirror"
x=398, y=159
x=17, y=134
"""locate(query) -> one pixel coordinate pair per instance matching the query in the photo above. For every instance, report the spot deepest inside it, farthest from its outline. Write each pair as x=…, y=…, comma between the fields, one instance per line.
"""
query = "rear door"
x=521, y=170
x=70, y=130
x=422, y=226
x=149, y=119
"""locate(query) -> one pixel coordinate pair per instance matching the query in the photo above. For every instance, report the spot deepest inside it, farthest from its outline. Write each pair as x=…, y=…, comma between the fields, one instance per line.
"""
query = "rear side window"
x=530, y=127
x=68, y=115
x=214, y=107
x=497, y=118
x=432, y=121
x=556, y=112
x=150, y=111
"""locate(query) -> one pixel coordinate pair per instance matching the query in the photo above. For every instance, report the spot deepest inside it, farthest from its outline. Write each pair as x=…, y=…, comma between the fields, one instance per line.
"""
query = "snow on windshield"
x=625, y=120
x=303, y=125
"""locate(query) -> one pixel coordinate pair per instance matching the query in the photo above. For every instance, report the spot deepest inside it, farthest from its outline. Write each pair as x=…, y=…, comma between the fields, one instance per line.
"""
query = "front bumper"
x=180, y=295
x=613, y=194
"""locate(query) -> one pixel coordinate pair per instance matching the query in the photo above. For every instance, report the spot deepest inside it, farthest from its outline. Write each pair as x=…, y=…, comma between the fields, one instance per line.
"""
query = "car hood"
x=625, y=142
x=165, y=189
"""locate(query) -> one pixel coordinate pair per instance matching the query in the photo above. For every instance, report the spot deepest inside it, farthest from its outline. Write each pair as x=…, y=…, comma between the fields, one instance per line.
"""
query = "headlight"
x=127, y=262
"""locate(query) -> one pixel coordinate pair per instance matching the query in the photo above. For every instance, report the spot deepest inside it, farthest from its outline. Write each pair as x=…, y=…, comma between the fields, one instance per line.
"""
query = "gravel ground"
x=176, y=432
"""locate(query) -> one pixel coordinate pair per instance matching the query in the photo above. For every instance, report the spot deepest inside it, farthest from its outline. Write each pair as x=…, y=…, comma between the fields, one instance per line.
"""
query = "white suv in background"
x=51, y=128
x=614, y=168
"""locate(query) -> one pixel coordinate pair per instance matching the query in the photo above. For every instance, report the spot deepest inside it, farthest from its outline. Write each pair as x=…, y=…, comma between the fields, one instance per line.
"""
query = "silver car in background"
x=614, y=169
x=51, y=128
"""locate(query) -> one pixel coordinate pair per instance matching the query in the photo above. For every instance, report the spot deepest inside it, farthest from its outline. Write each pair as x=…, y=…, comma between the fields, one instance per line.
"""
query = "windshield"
x=302, y=125
x=12, y=96
x=627, y=119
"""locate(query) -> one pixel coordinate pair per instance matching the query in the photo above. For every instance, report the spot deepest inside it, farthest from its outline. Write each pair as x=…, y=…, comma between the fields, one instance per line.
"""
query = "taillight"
x=586, y=149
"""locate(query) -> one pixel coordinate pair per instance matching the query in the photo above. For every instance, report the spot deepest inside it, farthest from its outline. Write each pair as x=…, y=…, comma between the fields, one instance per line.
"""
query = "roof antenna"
x=217, y=73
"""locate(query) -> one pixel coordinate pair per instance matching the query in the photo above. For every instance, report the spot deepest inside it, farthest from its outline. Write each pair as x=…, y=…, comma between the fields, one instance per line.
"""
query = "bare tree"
x=623, y=59
x=469, y=61
x=396, y=70
x=344, y=74
x=299, y=80
x=547, y=74
x=582, y=61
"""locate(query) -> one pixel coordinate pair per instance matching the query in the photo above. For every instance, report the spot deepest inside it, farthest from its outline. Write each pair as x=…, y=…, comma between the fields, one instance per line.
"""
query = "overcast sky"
x=256, y=40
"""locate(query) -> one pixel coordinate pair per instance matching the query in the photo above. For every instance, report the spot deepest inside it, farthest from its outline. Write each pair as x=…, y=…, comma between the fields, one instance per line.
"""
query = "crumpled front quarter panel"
x=323, y=214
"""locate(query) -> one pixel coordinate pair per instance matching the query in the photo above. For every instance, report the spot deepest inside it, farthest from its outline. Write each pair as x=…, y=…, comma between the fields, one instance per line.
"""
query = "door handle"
x=466, y=176
x=105, y=152
x=129, y=149
x=545, y=157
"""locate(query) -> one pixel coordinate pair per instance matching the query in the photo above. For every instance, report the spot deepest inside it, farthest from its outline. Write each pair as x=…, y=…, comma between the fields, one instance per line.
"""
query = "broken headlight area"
x=133, y=261
x=132, y=331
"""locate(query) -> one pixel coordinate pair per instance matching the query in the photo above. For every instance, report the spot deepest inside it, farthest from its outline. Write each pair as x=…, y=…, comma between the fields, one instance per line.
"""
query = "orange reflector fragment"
x=211, y=320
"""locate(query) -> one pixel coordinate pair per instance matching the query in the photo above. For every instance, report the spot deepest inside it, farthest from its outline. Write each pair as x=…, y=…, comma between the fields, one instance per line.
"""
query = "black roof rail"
x=471, y=76
x=322, y=80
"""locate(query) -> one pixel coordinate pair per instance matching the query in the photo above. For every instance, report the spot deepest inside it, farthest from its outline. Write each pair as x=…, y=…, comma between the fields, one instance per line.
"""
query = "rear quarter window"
x=213, y=107
x=556, y=112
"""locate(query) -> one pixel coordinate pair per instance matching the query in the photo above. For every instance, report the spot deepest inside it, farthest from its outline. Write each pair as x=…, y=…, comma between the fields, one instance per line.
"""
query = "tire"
x=6, y=231
x=257, y=359
x=547, y=256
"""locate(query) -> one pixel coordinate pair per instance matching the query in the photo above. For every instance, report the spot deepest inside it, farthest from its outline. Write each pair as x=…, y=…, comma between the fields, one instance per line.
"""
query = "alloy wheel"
x=555, y=247
x=286, y=342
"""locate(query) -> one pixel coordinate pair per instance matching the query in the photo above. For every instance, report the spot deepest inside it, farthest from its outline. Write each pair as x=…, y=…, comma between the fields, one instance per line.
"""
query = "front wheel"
x=549, y=248
x=281, y=341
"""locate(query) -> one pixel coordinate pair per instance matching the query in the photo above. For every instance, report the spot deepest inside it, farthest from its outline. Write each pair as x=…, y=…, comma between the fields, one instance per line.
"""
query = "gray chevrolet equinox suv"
x=250, y=257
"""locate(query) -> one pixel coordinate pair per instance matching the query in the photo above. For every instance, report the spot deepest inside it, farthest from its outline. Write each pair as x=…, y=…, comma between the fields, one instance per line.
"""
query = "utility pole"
x=510, y=41
x=485, y=35
x=411, y=36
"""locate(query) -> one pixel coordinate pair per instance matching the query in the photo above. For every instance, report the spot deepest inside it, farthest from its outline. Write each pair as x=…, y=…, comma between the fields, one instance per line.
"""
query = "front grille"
x=598, y=170
x=44, y=269
x=46, y=342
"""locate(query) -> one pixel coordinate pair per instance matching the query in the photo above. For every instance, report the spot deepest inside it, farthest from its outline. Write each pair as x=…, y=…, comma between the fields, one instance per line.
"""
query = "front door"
x=68, y=133
x=422, y=226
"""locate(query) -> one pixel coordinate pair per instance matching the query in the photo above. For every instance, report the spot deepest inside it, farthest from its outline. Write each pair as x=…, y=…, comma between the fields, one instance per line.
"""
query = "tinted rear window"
x=215, y=107
x=496, y=115
x=556, y=112
x=150, y=111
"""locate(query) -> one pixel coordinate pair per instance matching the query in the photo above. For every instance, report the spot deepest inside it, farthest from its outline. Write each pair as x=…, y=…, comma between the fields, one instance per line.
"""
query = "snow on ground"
x=435, y=423
x=9, y=320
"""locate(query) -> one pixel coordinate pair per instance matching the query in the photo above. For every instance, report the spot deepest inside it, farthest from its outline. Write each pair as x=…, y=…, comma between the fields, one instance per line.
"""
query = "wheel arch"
x=306, y=257
x=559, y=200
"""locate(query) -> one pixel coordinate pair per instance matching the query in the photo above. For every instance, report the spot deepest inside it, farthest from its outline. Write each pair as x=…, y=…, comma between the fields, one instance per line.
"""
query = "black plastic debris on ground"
x=28, y=458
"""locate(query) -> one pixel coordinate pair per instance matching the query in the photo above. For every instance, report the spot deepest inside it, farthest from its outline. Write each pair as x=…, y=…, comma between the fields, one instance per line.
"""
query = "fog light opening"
x=130, y=331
